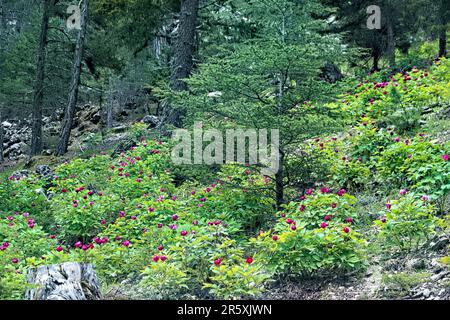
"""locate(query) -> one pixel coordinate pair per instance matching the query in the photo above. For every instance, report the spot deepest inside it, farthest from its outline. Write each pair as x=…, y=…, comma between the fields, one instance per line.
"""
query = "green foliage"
x=400, y=284
x=314, y=236
x=23, y=244
x=408, y=224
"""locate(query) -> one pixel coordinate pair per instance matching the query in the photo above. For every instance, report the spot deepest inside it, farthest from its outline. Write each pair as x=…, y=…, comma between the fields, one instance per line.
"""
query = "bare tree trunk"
x=376, y=59
x=63, y=143
x=36, y=137
x=279, y=184
x=442, y=43
x=109, y=111
x=185, y=48
x=444, y=10
x=390, y=43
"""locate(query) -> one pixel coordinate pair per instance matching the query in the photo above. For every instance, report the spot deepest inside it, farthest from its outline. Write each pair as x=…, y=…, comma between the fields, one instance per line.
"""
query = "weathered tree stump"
x=67, y=281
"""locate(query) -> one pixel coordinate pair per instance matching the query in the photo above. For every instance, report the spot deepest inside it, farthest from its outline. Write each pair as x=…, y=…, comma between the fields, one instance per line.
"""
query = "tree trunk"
x=109, y=111
x=36, y=136
x=390, y=43
x=376, y=59
x=183, y=61
x=442, y=43
x=444, y=10
x=279, y=184
x=63, y=143
x=67, y=281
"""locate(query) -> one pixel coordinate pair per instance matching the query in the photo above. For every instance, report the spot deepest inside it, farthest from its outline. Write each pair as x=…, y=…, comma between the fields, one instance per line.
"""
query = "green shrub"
x=407, y=223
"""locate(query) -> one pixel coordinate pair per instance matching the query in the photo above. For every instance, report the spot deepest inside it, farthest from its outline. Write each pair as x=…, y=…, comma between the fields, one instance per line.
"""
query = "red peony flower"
x=217, y=261
x=346, y=230
x=275, y=238
x=323, y=225
x=249, y=260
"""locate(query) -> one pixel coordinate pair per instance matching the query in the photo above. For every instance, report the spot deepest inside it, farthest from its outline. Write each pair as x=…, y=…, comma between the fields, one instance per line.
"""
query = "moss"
x=399, y=285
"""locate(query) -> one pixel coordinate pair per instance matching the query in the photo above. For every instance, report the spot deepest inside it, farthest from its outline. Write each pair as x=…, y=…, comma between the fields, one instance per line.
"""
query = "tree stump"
x=67, y=281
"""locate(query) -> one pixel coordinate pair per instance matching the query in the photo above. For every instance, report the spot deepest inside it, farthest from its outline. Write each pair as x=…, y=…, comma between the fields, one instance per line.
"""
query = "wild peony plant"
x=314, y=236
x=407, y=223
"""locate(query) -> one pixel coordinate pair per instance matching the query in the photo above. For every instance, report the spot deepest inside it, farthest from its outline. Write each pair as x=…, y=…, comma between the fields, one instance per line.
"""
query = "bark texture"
x=443, y=21
x=38, y=99
x=183, y=61
x=68, y=281
x=64, y=138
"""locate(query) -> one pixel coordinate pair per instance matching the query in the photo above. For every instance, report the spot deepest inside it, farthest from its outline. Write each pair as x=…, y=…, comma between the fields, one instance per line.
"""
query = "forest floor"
x=417, y=276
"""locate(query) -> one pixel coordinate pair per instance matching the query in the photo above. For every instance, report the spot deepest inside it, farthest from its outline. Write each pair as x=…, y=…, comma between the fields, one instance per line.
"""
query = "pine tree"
x=63, y=143
x=36, y=137
x=267, y=81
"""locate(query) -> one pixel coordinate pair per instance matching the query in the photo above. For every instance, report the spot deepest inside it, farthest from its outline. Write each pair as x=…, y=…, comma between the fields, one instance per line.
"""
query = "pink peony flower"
x=445, y=157
x=323, y=225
